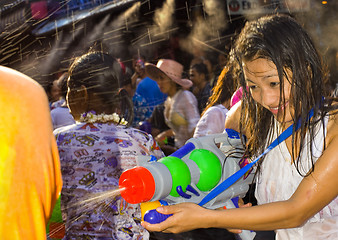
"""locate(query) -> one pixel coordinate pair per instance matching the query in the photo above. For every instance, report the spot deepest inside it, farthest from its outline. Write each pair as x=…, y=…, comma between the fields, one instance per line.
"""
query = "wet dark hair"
x=281, y=40
x=102, y=75
x=224, y=88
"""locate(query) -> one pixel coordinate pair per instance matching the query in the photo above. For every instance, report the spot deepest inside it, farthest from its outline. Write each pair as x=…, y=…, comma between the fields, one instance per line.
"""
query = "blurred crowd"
x=169, y=109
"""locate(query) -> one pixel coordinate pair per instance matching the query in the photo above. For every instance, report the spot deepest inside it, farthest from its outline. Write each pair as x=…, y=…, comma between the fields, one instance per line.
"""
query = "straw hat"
x=170, y=68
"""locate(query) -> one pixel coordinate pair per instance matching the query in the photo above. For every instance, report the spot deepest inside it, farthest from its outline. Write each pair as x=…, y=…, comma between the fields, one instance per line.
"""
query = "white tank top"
x=279, y=179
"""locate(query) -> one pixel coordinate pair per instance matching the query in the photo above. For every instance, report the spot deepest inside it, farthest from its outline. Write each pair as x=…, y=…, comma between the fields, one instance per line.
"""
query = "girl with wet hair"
x=296, y=182
x=98, y=77
x=96, y=150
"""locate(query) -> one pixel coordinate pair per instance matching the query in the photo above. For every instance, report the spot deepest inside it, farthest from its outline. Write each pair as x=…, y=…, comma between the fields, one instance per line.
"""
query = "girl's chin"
x=286, y=120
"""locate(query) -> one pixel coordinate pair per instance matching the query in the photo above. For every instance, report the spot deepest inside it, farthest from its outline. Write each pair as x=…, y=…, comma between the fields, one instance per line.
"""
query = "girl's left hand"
x=186, y=216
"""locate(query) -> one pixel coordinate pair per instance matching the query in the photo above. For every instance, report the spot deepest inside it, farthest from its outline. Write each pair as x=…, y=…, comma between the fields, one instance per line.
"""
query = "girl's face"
x=262, y=79
x=166, y=85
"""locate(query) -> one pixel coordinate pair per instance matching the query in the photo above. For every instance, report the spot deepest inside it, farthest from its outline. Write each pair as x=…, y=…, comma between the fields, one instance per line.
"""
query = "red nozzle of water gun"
x=137, y=185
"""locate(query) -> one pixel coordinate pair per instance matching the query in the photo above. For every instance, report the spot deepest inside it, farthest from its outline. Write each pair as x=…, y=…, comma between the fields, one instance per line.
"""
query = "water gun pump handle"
x=153, y=216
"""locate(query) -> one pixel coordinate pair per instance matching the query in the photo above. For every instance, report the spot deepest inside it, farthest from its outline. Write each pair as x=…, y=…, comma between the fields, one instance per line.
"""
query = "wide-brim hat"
x=170, y=68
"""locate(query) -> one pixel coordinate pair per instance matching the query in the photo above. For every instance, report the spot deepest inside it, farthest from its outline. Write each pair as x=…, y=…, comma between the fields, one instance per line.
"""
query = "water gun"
x=189, y=175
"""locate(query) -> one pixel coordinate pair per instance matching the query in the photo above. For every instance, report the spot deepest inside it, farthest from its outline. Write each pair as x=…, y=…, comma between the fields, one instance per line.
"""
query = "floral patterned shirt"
x=93, y=156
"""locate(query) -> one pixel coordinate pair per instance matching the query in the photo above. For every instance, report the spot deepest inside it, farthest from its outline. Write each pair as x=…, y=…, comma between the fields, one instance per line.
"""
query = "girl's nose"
x=268, y=98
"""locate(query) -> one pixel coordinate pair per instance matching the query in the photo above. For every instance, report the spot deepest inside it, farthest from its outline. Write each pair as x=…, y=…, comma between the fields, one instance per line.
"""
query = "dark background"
x=153, y=28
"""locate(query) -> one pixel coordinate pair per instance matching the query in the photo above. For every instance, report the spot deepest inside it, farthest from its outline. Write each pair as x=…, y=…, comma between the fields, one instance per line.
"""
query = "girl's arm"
x=314, y=192
x=162, y=137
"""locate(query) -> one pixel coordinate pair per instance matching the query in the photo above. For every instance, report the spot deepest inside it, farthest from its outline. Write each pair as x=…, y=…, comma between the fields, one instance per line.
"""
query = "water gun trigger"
x=192, y=190
x=182, y=193
x=188, y=189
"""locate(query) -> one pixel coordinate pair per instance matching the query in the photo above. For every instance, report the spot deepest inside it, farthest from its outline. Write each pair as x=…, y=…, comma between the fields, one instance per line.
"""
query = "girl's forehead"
x=160, y=76
x=259, y=66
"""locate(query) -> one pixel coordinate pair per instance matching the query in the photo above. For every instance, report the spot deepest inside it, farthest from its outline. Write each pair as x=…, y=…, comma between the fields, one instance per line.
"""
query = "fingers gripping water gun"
x=188, y=175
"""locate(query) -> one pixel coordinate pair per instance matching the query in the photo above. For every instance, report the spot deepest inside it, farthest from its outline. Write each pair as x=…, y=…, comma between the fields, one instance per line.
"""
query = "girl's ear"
x=83, y=93
x=78, y=100
x=83, y=97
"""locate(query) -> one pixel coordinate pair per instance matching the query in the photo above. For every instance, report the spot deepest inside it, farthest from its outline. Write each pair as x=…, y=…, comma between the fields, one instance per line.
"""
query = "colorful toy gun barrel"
x=189, y=174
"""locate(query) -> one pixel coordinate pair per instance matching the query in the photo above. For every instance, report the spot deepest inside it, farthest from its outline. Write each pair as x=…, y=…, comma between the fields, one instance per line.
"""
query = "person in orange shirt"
x=30, y=176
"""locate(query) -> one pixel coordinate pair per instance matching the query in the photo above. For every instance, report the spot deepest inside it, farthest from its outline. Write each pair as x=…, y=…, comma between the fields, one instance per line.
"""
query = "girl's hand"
x=161, y=139
x=186, y=216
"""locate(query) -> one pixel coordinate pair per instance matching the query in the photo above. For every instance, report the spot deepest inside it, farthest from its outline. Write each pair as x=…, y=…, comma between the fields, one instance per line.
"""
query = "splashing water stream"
x=100, y=201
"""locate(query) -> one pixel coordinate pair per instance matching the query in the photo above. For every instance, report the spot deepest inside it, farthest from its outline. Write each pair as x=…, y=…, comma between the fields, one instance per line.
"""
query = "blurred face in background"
x=55, y=92
x=196, y=77
x=166, y=85
x=139, y=67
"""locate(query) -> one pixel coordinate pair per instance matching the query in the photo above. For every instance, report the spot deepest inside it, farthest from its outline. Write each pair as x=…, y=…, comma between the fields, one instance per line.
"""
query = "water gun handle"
x=153, y=216
x=149, y=213
x=245, y=234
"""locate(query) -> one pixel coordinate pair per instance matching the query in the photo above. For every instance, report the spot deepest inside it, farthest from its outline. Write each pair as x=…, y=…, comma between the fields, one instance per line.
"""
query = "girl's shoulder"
x=186, y=96
x=332, y=126
x=217, y=109
x=233, y=117
x=187, y=93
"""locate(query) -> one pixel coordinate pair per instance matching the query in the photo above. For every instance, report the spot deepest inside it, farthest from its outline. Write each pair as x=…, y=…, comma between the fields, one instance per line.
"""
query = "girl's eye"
x=252, y=87
x=274, y=84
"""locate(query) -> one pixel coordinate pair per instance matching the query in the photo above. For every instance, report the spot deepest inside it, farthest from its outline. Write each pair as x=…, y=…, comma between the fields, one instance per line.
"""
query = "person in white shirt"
x=180, y=108
x=214, y=115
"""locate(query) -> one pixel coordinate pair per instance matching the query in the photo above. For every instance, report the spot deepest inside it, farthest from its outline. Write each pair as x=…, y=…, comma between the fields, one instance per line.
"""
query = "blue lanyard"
x=237, y=175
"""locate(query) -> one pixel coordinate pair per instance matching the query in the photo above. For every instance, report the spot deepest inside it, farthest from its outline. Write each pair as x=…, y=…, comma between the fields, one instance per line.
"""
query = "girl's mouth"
x=275, y=110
